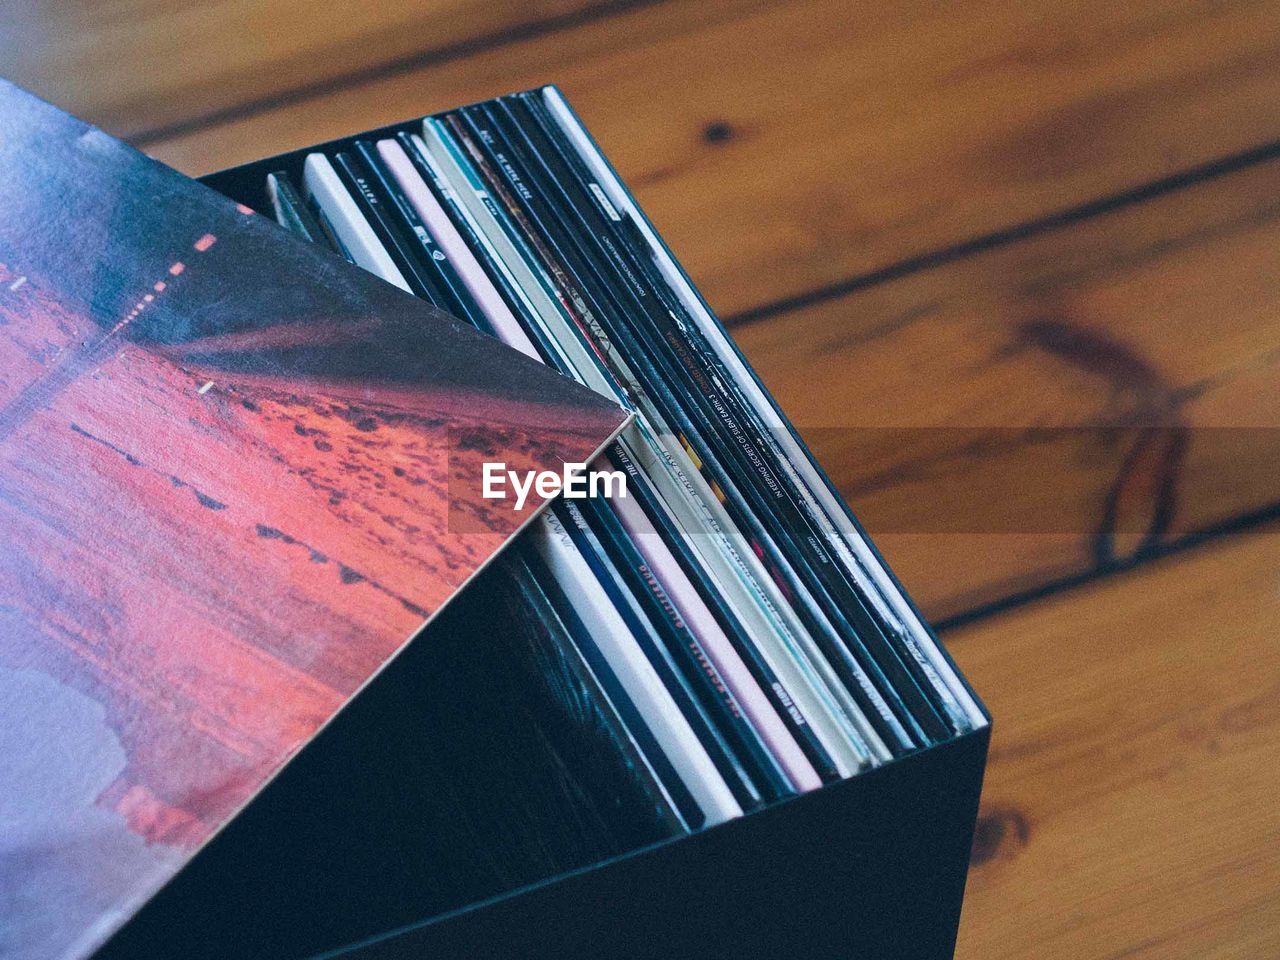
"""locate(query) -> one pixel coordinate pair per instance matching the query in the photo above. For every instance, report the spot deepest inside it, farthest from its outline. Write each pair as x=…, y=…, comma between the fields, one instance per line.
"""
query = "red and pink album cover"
x=237, y=474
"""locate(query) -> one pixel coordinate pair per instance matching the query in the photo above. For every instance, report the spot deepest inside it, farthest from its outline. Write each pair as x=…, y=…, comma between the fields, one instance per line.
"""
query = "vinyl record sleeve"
x=598, y=360
x=237, y=474
x=720, y=424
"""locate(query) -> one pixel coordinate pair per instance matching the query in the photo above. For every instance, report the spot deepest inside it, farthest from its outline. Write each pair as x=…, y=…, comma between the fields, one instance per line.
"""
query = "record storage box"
x=870, y=867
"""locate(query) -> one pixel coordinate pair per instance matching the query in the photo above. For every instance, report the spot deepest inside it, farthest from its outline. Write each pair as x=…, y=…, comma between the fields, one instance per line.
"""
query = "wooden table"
x=1014, y=269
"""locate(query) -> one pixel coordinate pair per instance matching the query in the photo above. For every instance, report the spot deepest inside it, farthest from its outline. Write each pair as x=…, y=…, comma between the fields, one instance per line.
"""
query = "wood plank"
x=1130, y=804
x=1033, y=411
x=782, y=148
x=136, y=65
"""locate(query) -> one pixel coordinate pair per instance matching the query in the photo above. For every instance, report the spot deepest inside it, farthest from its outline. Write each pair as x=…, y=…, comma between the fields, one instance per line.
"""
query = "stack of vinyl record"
x=720, y=638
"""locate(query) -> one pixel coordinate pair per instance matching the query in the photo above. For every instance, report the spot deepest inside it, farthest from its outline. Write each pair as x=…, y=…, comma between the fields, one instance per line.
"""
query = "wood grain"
x=1050, y=406
x=783, y=148
x=138, y=65
x=1130, y=804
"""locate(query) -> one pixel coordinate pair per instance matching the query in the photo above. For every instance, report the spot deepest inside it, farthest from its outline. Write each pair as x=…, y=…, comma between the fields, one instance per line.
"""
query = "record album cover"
x=236, y=475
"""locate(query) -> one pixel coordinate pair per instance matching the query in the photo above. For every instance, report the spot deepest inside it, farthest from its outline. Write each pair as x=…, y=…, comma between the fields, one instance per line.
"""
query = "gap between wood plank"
x=389, y=68
x=1244, y=523
x=1213, y=169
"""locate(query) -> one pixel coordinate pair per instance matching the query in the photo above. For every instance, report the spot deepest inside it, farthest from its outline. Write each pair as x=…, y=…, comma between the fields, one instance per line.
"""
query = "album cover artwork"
x=488, y=758
x=236, y=475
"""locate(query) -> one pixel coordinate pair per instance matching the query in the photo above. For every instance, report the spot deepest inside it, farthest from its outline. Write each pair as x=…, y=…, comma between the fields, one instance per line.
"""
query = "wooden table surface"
x=1014, y=270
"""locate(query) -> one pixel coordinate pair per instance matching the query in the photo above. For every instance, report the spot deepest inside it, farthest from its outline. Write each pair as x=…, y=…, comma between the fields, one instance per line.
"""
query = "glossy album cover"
x=236, y=475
